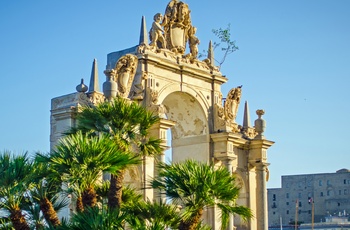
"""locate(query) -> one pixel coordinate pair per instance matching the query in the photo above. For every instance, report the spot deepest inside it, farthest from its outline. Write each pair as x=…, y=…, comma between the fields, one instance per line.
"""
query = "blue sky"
x=293, y=61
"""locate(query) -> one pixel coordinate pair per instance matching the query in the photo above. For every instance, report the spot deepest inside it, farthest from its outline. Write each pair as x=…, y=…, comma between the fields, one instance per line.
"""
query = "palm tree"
x=98, y=218
x=13, y=186
x=46, y=191
x=81, y=159
x=151, y=215
x=128, y=123
x=197, y=186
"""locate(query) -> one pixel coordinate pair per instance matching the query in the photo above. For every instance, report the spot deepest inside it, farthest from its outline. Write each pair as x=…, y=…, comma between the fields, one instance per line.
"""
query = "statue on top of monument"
x=193, y=41
x=156, y=32
x=177, y=24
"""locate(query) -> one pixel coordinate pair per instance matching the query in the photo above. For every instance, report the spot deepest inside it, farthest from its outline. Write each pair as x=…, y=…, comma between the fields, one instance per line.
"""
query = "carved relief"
x=232, y=102
x=125, y=72
x=138, y=88
x=154, y=96
x=249, y=132
x=96, y=98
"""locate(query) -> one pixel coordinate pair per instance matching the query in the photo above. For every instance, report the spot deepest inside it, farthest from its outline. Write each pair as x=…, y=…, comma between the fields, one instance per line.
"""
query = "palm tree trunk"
x=79, y=204
x=49, y=212
x=89, y=197
x=193, y=222
x=116, y=190
x=17, y=219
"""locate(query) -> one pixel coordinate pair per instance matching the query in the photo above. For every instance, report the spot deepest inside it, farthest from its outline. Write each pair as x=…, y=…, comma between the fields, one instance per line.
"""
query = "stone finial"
x=143, y=32
x=260, y=124
x=211, y=53
x=94, y=85
x=81, y=88
x=110, y=87
x=246, y=116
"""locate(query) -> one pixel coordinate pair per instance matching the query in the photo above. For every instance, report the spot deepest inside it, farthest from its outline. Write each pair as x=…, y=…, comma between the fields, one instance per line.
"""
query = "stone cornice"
x=260, y=144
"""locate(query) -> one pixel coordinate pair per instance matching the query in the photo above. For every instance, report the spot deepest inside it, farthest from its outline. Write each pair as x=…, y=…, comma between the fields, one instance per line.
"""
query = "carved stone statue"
x=177, y=24
x=125, y=71
x=156, y=32
x=193, y=41
x=232, y=102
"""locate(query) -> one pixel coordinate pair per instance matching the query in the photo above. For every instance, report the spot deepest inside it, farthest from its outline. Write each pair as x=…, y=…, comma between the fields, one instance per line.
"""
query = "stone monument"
x=186, y=93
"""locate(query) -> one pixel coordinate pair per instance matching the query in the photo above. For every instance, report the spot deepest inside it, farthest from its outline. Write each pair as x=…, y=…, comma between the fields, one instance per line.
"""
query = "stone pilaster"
x=259, y=167
x=225, y=144
x=159, y=131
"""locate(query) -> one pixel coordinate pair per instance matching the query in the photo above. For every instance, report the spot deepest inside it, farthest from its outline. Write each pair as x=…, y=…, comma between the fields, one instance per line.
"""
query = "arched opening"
x=190, y=135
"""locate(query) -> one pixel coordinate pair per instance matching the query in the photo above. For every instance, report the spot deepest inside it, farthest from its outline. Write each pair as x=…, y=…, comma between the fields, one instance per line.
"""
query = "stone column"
x=228, y=162
x=159, y=131
x=224, y=151
x=262, y=209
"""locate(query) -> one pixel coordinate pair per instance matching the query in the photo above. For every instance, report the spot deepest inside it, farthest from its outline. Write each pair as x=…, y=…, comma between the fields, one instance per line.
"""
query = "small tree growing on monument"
x=226, y=44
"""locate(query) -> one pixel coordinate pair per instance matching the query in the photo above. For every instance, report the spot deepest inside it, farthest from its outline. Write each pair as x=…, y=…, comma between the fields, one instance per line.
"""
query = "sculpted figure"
x=171, y=11
x=183, y=14
x=156, y=32
x=232, y=102
x=176, y=27
x=125, y=72
x=193, y=42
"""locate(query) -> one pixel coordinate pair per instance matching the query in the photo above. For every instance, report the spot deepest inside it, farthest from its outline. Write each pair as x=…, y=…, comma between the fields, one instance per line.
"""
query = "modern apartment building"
x=329, y=193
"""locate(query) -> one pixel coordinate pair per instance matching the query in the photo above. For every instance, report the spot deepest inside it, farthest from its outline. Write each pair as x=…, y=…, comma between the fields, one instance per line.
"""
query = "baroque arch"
x=190, y=134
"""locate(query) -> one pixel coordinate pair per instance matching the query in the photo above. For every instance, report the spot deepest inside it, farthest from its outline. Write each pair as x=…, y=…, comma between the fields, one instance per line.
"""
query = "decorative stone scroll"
x=120, y=79
x=232, y=102
x=138, y=89
x=225, y=116
x=125, y=73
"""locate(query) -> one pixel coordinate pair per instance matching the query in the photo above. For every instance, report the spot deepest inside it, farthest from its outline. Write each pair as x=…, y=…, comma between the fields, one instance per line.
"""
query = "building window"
x=287, y=203
x=300, y=204
x=328, y=193
x=287, y=195
x=299, y=195
x=339, y=192
x=287, y=212
x=344, y=181
x=273, y=213
x=300, y=184
x=274, y=205
x=328, y=182
x=320, y=182
x=338, y=204
x=274, y=197
x=345, y=192
x=287, y=185
x=321, y=194
x=309, y=211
